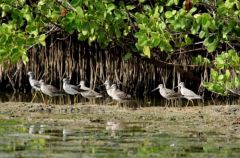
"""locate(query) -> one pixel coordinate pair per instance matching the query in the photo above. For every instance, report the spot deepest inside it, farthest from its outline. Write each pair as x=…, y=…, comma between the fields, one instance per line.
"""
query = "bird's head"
x=82, y=83
x=41, y=82
x=30, y=74
x=65, y=80
x=181, y=84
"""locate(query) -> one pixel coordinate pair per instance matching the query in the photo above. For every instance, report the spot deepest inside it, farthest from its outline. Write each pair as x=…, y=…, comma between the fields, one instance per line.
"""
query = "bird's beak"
x=155, y=89
x=101, y=85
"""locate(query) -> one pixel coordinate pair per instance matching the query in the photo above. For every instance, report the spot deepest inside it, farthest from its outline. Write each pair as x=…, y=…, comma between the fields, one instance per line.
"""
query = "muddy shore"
x=224, y=119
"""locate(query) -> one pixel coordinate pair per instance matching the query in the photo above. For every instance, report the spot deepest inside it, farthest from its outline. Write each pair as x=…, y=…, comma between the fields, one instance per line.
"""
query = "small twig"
x=187, y=51
x=63, y=38
x=49, y=20
x=230, y=45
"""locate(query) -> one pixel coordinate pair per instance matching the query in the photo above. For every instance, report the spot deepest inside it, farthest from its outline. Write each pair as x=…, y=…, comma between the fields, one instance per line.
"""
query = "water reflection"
x=36, y=129
x=130, y=140
x=42, y=129
x=62, y=141
x=113, y=127
x=32, y=130
x=65, y=133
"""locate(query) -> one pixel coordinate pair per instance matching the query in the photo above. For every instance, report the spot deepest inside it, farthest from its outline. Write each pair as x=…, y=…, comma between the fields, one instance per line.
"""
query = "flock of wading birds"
x=112, y=90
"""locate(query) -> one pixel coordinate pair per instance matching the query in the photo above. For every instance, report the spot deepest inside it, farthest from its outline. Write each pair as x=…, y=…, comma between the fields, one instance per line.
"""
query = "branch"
x=129, y=18
x=70, y=7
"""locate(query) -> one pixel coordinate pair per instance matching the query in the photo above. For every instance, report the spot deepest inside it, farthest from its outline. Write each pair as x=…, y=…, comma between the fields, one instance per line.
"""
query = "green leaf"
x=198, y=18
x=71, y=17
x=156, y=14
x=85, y=29
x=170, y=14
x=165, y=46
x=80, y=12
x=195, y=28
x=211, y=43
x=220, y=62
x=76, y=3
x=201, y=34
x=212, y=47
x=221, y=77
x=130, y=7
x=228, y=74
x=176, y=2
x=110, y=7
x=25, y=58
x=42, y=39
x=146, y=51
x=188, y=40
x=170, y=2
x=214, y=75
x=192, y=10
x=155, y=39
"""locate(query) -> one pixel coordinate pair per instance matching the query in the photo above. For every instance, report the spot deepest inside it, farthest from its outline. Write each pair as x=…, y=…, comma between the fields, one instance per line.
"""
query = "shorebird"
x=187, y=93
x=49, y=90
x=119, y=95
x=71, y=89
x=108, y=87
x=34, y=84
x=167, y=93
x=88, y=92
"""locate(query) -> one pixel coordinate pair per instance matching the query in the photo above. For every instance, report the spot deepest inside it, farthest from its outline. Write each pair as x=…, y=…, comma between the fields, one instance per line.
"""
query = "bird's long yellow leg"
x=42, y=97
x=34, y=97
x=192, y=102
x=74, y=100
x=187, y=103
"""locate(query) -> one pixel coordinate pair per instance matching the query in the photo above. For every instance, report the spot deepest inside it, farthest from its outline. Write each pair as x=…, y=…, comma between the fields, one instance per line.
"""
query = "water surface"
x=109, y=139
x=121, y=136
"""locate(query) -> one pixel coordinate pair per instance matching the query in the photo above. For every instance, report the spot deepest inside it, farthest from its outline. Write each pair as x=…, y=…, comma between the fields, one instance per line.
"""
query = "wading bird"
x=71, y=89
x=34, y=84
x=88, y=92
x=108, y=87
x=188, y=94
x=49, y=90
x=119, y=95
x=167, y=93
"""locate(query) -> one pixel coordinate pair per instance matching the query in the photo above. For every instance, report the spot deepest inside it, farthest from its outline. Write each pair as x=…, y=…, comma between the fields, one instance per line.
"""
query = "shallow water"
x=109, y=139
x=100, y=138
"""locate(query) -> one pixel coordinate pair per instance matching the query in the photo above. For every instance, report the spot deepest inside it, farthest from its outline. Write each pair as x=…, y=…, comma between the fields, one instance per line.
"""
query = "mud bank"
x=224, y=120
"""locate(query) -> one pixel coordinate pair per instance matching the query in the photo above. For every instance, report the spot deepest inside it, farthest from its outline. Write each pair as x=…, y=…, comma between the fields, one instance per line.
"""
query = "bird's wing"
x=53, y=89
x=188, y=92
x=169, y=91
x=122, y=94
x=175, y=94
x=77, y=88
x=36, y=83
x=85, y=88
x=92, y=94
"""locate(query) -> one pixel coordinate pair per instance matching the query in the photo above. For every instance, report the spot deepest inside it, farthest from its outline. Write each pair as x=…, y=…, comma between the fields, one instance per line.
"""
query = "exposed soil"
x=224, y=120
